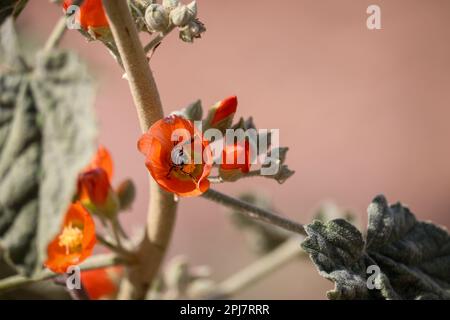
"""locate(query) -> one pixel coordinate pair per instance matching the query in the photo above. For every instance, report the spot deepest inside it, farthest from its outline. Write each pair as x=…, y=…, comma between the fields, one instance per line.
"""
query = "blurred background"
x=363, y=112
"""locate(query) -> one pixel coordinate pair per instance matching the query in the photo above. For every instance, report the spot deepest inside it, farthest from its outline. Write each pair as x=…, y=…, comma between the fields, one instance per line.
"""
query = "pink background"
x=363, y=112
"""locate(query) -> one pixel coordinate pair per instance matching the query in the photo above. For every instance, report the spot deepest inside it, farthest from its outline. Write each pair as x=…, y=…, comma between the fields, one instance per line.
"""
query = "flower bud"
x=193, y=8
x=221, y=114
x=169, y=5
x=126, y=192
x=156, y=17
x=192, y=31
x=182, y=15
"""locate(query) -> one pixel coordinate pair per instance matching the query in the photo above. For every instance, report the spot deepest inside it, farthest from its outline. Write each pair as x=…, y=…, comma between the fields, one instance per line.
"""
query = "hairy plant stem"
x=162, y=206
x=94, y=262
x=272, y=261
x=114, y=247
x=57, y=34
x=157, y=40
x=255, y=212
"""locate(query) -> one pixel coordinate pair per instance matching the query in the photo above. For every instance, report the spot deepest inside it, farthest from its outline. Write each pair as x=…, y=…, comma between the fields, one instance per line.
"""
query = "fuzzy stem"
x=94, y=262
x=120, y=251
x=157, y=40
x=162, y=206
x=255, y=212
x=272, y=261
x=56, y=35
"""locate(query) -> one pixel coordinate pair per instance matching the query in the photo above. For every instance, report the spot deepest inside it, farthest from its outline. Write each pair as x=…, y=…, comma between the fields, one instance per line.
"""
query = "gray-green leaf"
x=47, y=134
x=193, y=112
x=413, y=257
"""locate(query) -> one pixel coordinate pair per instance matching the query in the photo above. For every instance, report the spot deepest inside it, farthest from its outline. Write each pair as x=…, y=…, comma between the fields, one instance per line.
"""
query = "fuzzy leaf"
x=47, y=136
x=193, y=112
x=261, y=237
x=9, y=47
x=413, y=257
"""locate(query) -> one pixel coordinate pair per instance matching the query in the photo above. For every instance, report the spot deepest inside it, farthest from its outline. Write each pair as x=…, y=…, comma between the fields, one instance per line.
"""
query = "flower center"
x=189, y=168
x=71, y=238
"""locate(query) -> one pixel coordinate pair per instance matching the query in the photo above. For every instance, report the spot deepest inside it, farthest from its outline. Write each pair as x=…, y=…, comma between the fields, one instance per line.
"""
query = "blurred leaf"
x=413, y=256
x=11, y=8
x=47, y=136
x=261, y=237
x=282, y=175
x=330, y=210
x=10, y=56
x=244, y=124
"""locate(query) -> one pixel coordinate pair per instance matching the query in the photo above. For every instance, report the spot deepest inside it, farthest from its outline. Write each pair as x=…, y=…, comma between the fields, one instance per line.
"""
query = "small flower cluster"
x=77, y=237
x=172, y=13
x=181, y=159
x=149, y=16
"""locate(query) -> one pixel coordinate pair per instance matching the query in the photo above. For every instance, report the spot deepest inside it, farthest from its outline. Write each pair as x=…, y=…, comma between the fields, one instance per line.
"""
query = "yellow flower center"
x=71, y=238
x=189, y=168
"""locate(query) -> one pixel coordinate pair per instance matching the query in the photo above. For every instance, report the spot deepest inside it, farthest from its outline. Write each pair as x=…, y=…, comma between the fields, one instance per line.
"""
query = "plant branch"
x=255, y=212
x=57, y=34
x=156, y=40
x=272, y=261
x=119, y=250
x=162, y=206
x=94, y=262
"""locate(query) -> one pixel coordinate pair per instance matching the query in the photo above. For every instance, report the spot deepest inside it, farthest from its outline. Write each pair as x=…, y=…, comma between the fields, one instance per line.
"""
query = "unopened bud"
x=156, y=17
x=193, y=8
x=182, y=15
x=126, y=192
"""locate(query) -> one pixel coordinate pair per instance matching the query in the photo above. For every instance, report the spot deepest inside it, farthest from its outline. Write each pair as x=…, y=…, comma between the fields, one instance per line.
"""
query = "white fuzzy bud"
x=169, y=5
x=182, y=15
x=156, y=17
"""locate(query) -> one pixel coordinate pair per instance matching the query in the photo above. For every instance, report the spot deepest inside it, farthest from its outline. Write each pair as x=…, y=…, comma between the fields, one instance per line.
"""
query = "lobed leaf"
x=413, y=257
x=47, y=136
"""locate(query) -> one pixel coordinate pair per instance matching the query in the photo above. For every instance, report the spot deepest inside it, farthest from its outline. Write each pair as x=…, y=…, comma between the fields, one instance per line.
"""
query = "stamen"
x=71, y=238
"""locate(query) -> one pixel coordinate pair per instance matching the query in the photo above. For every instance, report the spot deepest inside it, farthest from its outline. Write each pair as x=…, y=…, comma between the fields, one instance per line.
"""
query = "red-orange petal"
x=94, y=186
x=236, y=152
x=224, y=109
x=157, y=146
x=101, y=283
x=91, y=14
x=102, y=159
x=57, y=259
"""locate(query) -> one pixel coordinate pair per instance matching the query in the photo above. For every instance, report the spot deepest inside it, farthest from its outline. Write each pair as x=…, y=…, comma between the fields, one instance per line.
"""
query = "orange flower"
x=236, y=157
x=94, y=184
x=91, y=15
x=75, y=241
x=171, y=163
x=224, y=109
x=101, y=283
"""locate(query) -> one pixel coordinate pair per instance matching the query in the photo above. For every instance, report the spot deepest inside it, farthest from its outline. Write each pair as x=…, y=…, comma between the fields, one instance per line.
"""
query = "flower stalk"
x=95, y=262
x=255, y=212
x=162, y=206
x=260, y=269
